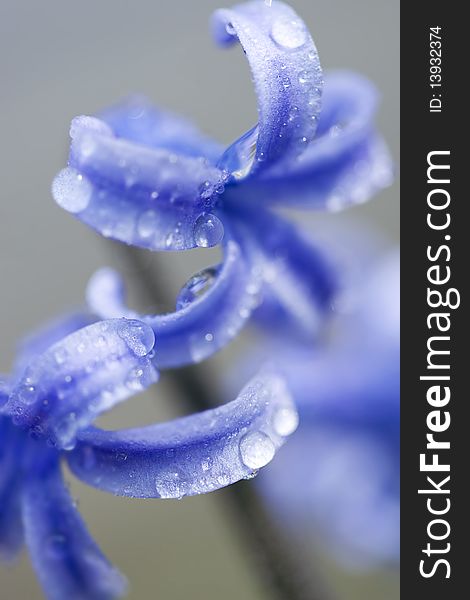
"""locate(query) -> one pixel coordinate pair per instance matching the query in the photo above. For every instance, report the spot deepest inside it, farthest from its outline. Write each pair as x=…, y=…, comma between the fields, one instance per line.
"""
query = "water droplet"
x=209, y=337
x=154, y=195
x=285, y=421
x=196, y=287
x=147, y=224
x=72, y=190
x=206, y=190
x=239, y=157
x=139, y=337
x=256, y=449
x=289, y=34
x=208, y=231
x=170, y=485
x=304, y=76
x=27, y=394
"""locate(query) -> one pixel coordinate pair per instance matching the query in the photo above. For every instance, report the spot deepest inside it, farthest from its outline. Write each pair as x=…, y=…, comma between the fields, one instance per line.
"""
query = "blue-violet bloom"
x=150, y=179
x=337, y=481
x=64, y=377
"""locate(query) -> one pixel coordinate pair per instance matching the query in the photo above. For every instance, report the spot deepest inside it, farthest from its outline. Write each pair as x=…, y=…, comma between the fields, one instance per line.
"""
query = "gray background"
x=60, y=58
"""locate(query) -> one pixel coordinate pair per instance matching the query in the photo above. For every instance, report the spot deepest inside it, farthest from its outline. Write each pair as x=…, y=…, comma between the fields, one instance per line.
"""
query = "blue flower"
x=150, y=179
x=338, y=478
x=64, y=377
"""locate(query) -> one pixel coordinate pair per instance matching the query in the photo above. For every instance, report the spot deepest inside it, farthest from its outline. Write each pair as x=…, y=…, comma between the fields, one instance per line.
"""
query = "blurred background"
x=59, y=59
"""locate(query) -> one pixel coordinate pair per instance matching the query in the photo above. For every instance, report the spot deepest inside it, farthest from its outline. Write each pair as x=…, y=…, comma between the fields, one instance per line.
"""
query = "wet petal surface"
x=194, y=454
x=66, y=559
x=147, y=197
x=346, y=163
x=64, y=389
x=211, y=308
x=288, y=82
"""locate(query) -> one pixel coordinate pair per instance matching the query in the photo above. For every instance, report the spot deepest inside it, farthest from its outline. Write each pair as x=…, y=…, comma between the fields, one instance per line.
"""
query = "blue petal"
x=64, y=389
x=212, y=308
x=310, y=489
x=288, y=82
x=346, y=163
x=147, y=197
x=137, y=120
x=299, y=282
x=67, y=561
x=38, y=342
x=194, y=454
x=349, y=384
x=11, y=528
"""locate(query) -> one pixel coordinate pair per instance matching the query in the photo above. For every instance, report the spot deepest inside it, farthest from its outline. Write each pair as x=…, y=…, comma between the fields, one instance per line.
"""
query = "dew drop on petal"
x=256, y=449
x=208, y=231
x=285, y=421
x=239, y=157
x=288, y=34
x=72, y=190
x=139, y=337
x=196, y=287
x=170, y=485
x=27, y=394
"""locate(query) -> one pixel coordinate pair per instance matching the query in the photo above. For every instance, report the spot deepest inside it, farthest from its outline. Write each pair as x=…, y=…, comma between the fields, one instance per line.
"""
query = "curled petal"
x=137, y=120
x=298, y=279
x=64, y=389
x=11, y=528
x=147, y=197
x=345, y=164
x=211, y=308
x=194, y=454
x=39, y=341
x=67, y=561
x=288, y=81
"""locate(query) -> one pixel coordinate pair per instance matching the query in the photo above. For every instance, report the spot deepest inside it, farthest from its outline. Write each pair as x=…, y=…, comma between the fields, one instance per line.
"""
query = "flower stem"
x=285, y=574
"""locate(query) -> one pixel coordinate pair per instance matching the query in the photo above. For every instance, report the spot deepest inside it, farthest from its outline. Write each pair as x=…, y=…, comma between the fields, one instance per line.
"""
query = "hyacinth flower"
x=337, y=481
x=64, y=377
x=150, y=179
